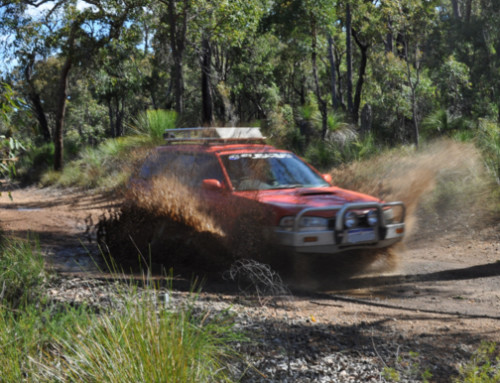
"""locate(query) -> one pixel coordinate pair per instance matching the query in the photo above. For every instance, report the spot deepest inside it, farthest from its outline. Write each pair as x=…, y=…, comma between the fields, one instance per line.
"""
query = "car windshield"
x=260, y=171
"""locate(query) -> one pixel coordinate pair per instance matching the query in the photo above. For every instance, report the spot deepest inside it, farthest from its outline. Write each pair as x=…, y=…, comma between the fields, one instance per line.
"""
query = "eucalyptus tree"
x=413, y=21
x=221, y=26
x=75, y=30
x=365, y=24
x=311, y=21
x=171, y=34
x=118, y=77
x=24, y=44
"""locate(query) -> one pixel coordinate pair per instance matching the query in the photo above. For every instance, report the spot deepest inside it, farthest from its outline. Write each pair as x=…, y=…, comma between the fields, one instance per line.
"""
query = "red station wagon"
x=236, y=174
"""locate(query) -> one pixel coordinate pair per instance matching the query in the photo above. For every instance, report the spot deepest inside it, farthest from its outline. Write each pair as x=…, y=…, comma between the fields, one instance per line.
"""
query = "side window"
x=156, y=164
x=191, y=168
x=206, y=166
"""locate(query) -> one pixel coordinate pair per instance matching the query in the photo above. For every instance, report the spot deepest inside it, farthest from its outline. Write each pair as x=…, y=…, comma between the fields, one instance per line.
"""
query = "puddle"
x=75, y=260
x=29, y=209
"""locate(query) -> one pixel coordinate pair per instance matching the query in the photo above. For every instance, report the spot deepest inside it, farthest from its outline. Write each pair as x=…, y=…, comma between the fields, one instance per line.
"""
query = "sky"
x=7, y=63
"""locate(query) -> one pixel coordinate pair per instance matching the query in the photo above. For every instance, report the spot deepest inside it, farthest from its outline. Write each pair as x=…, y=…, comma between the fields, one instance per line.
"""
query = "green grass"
x=22, y=272
x=138, y=338
x=106, y=166
x=145, y=342
x=483, y=366
x=110, y=164
x=153, y=124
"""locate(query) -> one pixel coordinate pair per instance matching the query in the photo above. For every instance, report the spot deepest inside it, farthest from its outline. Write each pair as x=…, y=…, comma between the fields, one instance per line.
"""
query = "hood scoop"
x=306, y=192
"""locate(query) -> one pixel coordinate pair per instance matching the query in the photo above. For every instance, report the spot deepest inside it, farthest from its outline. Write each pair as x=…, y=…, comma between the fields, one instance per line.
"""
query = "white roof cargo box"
x=219, y=134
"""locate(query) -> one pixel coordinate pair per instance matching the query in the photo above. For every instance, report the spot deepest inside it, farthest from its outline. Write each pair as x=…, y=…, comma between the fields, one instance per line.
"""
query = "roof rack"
x=214, y=135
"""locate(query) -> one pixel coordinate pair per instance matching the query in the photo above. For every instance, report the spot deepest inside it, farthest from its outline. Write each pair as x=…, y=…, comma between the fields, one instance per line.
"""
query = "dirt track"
x=444, y=296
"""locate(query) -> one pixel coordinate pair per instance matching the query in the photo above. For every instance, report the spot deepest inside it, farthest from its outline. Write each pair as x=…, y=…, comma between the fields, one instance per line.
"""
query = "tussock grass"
x=22, y=273
x=110, y=164
x=138, y=338
x=145, y=342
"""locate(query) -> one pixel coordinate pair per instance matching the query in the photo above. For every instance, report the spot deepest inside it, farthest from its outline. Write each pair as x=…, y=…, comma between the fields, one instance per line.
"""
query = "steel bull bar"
x=336, y=240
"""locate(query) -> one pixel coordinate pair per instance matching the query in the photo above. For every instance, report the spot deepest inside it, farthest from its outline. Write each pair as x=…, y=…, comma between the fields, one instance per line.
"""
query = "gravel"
x=285, y=347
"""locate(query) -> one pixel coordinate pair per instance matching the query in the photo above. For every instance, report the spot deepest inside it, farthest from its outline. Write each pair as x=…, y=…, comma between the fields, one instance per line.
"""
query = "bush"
x=109, y=165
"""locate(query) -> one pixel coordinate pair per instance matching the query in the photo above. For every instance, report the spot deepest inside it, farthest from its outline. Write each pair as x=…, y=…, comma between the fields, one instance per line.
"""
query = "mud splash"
x=445, y=178
x=162, y=226
x=443, y=185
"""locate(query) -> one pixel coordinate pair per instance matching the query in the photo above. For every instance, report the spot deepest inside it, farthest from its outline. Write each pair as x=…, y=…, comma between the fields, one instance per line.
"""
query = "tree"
x=70, y=30
x=174, y=21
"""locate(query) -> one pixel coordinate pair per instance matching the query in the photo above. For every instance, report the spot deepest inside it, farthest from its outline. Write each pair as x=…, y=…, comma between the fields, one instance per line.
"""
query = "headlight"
x=350, y=219
x=314, y=222
x=305, y=223
x=372, y=218
x=388, y=215
x=287, y=222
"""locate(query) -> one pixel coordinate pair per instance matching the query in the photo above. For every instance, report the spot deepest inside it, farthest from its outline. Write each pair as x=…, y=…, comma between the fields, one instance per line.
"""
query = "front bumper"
x=338, y=238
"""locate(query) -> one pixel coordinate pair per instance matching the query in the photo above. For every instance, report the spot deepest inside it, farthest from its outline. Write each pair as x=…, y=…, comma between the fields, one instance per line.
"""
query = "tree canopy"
x=86, y=69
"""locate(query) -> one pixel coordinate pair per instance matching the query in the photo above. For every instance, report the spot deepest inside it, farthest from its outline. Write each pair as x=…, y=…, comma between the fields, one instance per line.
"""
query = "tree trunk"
x=111, y=118
x=456, y=9
x=338, y=60
x=366, y=120
x=321, y=102
x=413, y=88
x=349, y=59
x=468, y=10
x=120, y=110
x=178, y=27
x=34, y=97
x=361, y=77
x=333, y=80
x=60, y=113
x=40, y=115
x=206, y=91
x=389, y=45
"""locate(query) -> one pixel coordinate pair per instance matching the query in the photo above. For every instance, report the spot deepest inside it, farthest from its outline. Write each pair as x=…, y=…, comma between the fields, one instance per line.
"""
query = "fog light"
x=372, y=218
x=350, y=220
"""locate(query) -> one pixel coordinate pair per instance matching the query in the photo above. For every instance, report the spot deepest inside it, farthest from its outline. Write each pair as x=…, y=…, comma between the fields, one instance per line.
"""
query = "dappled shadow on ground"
x=292, y=351
x=80, y=200
x=389, y=281
x=54, y=239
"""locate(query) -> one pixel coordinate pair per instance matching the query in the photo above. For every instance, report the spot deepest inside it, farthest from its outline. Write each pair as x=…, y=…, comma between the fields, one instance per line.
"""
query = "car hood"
x=291, y=201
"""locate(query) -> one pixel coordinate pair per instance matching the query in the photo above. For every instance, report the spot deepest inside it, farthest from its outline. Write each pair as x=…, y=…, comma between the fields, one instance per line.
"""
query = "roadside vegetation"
x=138, y=336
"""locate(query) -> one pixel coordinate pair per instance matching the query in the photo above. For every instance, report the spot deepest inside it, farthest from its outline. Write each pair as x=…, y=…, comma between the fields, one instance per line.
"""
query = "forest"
x=334, y=80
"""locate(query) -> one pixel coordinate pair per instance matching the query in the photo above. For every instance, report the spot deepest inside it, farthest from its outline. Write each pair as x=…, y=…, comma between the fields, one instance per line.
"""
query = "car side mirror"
x=211, y=184
x=327, y=178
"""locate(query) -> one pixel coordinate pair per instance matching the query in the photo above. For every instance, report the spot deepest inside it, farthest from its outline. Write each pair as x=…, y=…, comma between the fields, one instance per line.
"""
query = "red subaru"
x=236, y=175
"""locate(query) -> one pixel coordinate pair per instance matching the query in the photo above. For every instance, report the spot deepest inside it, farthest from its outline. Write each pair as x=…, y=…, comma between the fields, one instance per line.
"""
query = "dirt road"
x=443, y=298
